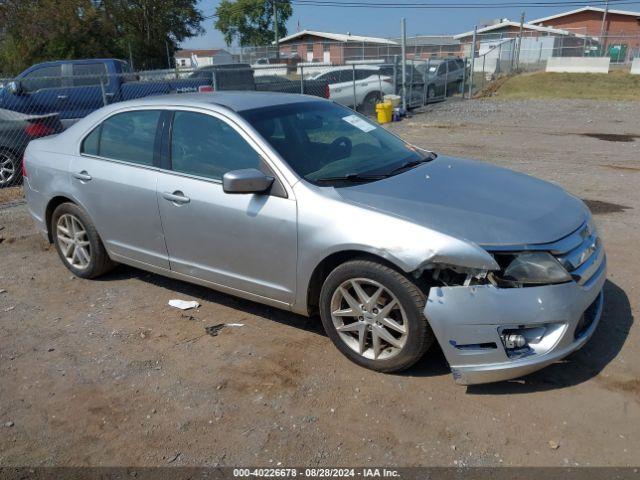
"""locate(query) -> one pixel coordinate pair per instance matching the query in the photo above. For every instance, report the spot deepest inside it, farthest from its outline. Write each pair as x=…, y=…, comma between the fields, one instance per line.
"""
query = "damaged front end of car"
x=541, y=304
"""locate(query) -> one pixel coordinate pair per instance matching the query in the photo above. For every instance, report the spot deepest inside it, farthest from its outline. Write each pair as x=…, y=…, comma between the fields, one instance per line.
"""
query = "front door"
x=114, y=179
x=246, y=242
x=42, y=92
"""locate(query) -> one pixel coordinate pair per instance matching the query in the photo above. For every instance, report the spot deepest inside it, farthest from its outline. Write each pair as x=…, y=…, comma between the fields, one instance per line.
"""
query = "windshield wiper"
x=409, y=165
x=352, y=178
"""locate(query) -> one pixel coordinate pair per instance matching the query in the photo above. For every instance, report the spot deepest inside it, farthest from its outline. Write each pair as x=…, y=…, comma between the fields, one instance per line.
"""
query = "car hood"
x=475, y=201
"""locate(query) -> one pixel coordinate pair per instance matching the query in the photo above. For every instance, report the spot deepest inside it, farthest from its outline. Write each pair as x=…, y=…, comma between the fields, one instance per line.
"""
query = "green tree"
x=39, y=30
x=251, y=22
x=33, y=31
x=150, y=27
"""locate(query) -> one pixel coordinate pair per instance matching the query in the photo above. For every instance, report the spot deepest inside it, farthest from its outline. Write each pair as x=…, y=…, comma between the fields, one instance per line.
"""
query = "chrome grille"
x=583, y=255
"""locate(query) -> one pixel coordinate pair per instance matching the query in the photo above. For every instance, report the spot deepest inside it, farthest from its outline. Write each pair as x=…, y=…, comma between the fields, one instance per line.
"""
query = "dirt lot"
x=105, y=373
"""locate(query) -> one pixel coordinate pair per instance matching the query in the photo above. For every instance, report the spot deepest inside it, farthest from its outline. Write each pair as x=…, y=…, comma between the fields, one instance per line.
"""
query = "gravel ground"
x=105, y=373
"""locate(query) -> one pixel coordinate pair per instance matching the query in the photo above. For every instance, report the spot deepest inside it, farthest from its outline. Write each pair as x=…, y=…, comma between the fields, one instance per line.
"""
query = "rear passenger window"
x=90, y=143
x=206, y=146
x=362, y=74
x=128, y=136
x=89, y=74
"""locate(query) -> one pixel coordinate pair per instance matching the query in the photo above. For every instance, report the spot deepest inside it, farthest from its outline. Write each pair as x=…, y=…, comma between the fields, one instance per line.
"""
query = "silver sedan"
x=302, y=204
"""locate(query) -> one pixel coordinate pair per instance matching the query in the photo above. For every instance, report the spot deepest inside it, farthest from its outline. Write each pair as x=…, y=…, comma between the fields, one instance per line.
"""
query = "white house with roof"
x=195, y=58
x=498, y=44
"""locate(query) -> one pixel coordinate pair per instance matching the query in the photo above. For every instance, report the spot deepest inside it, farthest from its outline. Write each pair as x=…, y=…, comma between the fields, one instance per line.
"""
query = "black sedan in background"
x=16, y=131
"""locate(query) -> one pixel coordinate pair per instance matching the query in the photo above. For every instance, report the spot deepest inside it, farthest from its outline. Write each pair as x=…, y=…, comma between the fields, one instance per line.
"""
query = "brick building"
x=621, y=29
x=336, y=48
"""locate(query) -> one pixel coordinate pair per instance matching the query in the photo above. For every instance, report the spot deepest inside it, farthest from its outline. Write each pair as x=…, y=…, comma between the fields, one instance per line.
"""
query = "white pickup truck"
x=370, y=86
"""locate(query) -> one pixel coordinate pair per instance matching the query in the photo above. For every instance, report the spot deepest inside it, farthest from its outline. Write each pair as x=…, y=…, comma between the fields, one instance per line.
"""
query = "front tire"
x=374, y=315
x=10, y=169
x=431, y=93
x=78, y=243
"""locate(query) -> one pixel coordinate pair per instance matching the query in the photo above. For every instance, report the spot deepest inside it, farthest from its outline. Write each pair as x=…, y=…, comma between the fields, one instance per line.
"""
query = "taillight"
x=327, y=92
x=38, y=130
x=24, y=168
x=205, y=89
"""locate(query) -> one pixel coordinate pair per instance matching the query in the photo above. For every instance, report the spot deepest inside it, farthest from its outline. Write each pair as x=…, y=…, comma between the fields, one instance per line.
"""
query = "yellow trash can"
x=385, y=112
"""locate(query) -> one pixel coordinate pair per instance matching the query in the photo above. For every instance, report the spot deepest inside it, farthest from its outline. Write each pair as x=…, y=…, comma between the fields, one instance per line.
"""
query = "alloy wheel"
x=74, y=241
x=7, y=169
x=369, y=319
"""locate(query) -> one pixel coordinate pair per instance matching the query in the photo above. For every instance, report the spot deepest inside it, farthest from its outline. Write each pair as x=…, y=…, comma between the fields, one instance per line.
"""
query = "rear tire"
x=78, y=243
x=368, y=106
x=363, y=299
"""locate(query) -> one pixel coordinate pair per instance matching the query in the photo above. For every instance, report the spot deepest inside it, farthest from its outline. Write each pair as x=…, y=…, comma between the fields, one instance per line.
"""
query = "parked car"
x=414, y=83
x=443, y=76
x=303, y=204
x=241, y=76
x=75, y=88
x=235, y=76
x=277, y=83
x=16, y=131
x=371, y=85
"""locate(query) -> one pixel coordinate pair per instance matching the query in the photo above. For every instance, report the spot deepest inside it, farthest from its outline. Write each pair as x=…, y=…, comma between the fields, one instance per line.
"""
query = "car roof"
x=350, y=67
x=238, y=101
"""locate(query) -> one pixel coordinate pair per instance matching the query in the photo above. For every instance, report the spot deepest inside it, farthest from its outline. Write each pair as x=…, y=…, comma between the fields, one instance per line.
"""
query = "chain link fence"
x=46, y=98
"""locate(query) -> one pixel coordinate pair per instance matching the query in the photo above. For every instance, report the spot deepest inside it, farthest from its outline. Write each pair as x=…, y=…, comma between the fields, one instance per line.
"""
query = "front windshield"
x=322, y=140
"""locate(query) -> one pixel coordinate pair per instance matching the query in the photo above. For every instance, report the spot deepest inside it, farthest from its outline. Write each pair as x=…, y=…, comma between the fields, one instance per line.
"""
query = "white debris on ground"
x=184, y=304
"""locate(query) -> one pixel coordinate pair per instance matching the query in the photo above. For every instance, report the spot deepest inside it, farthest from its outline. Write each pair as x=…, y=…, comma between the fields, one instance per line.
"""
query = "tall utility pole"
x=275, y=27
x=603, y=29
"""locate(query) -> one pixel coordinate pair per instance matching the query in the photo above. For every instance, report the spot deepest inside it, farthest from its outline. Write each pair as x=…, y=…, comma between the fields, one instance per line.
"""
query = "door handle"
x=63, y=97
x=176, y=197
x=83, y=176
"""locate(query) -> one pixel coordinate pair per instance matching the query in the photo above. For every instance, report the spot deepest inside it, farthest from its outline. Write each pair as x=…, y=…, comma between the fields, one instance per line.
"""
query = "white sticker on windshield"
x=359, y=123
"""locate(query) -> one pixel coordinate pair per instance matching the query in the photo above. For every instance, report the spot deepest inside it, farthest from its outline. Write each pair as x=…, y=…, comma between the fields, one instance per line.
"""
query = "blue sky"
x=378, y=22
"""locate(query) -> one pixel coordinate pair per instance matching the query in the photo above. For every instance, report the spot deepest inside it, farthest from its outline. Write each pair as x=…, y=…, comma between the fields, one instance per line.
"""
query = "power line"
x=446, y=6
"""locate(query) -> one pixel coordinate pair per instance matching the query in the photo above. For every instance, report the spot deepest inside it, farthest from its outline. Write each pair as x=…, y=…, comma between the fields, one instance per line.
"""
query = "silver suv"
x=444, y=77
x=302, y=204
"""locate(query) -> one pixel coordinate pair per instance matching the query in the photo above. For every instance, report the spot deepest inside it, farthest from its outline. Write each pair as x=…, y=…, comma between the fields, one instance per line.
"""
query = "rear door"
x=245, y=242
x=87, y=87
x=342, y=89
x=114, y=178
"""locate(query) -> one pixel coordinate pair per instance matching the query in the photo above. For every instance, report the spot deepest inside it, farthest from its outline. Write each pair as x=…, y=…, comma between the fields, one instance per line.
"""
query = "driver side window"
x=205, y=146
x=43, y=77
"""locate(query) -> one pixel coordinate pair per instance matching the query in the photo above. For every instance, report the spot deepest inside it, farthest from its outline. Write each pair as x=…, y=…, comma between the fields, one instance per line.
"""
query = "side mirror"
x=14, y=87
x=249, y=180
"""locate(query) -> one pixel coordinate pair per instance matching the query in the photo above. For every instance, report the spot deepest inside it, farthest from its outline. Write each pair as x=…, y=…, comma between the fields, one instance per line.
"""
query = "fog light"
x=512, y=341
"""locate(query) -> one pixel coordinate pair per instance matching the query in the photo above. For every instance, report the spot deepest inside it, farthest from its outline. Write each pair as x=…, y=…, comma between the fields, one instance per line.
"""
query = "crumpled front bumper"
x=468, y=321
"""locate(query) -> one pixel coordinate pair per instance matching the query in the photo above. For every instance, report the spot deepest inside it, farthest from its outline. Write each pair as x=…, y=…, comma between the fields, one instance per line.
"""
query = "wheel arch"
x=329, y=263
x=51, y=206
x=10, y=149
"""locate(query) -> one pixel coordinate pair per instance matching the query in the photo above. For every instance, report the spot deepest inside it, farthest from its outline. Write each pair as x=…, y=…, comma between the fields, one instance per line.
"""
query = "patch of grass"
x=10, y=194
x=617, y=85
